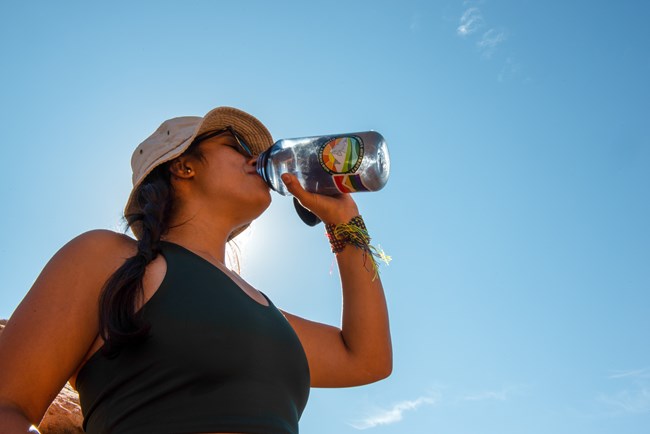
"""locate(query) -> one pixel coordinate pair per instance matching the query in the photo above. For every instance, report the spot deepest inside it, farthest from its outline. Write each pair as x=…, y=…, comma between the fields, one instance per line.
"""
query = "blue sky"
x=516, y=214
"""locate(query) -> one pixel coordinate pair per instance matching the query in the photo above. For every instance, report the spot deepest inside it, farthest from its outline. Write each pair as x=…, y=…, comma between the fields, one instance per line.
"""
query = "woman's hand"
x=330, y=209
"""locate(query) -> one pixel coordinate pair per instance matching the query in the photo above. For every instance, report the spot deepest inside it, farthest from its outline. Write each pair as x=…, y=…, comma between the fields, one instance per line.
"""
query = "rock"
x=64, y=414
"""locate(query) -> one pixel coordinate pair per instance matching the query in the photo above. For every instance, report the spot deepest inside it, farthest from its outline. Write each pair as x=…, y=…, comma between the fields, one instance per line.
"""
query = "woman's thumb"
x=294, y=187
x=291, y=182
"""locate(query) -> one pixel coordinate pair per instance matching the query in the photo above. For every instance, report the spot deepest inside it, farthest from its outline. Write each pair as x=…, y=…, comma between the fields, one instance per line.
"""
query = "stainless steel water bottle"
x=330, y=164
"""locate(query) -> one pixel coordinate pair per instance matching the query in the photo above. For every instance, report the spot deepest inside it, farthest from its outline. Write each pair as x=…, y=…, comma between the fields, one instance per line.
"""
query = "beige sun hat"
x=174, y=136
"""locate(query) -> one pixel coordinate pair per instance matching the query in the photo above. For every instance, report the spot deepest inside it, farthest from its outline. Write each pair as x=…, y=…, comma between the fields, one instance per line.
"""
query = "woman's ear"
x=181, y=168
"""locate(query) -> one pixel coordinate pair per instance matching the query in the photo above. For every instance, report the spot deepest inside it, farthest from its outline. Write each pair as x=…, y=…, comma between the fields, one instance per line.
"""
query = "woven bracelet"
x=355, y=233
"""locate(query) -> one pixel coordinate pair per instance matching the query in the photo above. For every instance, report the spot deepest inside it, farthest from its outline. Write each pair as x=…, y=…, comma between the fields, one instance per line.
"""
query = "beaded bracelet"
x=355, y=234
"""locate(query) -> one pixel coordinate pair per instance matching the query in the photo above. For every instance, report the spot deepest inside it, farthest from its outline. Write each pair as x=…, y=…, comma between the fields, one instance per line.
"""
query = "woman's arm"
x=361, y=351
x=50, y=332
x=13, y=421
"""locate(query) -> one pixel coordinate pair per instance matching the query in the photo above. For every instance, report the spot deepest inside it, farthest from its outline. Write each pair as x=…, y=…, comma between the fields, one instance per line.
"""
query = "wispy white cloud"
x=396, y=413
x=636, y=373
x=633, y=397
x=489, y=41
x=393, y=414
x=629, y=401
x=470, y=22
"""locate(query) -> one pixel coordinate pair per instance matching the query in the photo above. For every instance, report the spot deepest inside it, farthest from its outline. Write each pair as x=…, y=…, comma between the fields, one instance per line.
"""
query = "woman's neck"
x=210, y=245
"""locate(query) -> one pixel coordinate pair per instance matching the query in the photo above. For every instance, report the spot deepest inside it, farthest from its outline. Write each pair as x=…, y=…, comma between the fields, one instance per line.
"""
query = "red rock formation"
x=64, y=415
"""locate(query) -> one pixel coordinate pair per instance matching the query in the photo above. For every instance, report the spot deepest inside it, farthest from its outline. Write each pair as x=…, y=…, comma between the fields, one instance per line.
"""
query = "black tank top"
x=215, y=361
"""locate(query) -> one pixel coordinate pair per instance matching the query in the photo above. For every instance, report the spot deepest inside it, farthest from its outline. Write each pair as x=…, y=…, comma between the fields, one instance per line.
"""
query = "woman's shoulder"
x=105, y=238
x=100, y=246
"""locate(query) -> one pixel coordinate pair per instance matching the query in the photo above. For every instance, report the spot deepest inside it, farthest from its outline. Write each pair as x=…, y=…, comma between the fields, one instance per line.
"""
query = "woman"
x=157, y=335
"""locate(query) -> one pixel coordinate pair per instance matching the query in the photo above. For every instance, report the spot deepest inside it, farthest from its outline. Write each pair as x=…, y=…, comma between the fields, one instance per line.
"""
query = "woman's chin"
x=265, y=201
x=262, y=203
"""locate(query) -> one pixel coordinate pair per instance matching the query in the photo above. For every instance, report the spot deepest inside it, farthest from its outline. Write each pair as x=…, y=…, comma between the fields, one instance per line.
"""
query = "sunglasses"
x=243, y=147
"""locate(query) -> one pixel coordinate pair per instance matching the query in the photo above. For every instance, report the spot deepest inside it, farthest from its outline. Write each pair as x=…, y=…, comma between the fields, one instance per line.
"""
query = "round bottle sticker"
x=341, y=155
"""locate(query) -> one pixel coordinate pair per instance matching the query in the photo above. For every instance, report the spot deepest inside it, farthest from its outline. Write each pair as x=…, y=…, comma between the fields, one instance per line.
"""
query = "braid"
x=119, y=322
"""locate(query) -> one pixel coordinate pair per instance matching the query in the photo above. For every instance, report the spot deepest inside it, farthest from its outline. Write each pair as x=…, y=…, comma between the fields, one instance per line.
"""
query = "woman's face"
x=226, y=179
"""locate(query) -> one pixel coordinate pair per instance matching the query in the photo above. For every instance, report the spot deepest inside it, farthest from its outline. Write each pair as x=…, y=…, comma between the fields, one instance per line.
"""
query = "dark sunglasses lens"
x=242, y=144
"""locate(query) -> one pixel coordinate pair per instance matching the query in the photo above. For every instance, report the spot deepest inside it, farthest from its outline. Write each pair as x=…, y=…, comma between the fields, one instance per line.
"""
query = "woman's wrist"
x=341, y=217
x=354, y=233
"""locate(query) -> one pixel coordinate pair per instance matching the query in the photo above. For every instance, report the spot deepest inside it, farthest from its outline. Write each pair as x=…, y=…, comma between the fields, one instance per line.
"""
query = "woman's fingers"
x=312, y=201
x=297, y=191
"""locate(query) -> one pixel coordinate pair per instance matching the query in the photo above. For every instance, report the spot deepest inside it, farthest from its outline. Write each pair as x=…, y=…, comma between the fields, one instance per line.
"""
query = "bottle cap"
x=307, y=216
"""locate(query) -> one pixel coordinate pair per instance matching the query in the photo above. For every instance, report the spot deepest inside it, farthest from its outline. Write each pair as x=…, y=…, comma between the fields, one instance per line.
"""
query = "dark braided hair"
x=120, y=324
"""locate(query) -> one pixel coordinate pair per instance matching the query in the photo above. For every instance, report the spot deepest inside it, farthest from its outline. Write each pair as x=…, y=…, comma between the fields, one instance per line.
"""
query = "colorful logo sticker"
x=341, y=155
x=349, y=183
